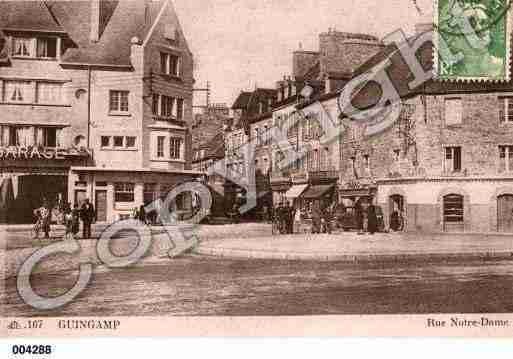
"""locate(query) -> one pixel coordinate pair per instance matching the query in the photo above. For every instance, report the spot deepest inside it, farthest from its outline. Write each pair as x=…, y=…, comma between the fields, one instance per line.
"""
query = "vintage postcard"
x=256, y=168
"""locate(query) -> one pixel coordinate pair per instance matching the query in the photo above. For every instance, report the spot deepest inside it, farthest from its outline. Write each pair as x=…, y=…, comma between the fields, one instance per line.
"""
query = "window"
x=179, y=109
x=16, y=136
x=155, y=104
x=18, y=91
x=8, y=136
x=23, y=47
x=366, y=162
x=505, y=109
x=452, y=159
x=43, y=47
x=130, y=142
x=105, y=141
x=49, y=93
x=118, y=141
x=174, y=148
x=118, y=101
x=453, y=111
x=160, y=146
x=169, y=64
x=124, y=192
x=505, y=159
x=166, y=106
x=47, y=136
x=453, y=208
x=47, y=47
x=397, y=155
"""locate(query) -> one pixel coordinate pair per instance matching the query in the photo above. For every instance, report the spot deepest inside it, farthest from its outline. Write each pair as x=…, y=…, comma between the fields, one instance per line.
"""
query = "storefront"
x=117, y=193
x=30, y=175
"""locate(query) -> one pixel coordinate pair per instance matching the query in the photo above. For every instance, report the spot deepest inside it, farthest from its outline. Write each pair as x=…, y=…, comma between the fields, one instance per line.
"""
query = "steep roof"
x=242, y=101
x=213, y=149
x=400, y=75
x=28, y=16
x=120, y=21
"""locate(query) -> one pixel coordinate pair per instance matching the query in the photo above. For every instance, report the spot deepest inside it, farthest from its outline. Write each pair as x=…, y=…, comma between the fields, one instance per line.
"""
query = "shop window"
x=118, y=101
x=49, y=93
x=505, y=159
x=124, y=192
x=452, y=159
x=118, y=141
x=453, y=208
x=174, y=148
x=160, y=146
x=105, y=141
x=505, y=110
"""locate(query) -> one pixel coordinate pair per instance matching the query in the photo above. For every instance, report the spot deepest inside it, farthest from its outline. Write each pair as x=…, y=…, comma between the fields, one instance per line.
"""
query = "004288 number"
x=31, y=349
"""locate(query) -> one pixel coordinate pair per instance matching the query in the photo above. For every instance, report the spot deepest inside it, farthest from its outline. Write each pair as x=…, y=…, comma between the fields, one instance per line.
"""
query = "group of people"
x=69, y=217
x=285, y=216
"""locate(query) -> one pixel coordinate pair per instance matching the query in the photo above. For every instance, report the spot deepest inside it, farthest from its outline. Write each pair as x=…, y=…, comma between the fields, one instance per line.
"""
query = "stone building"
x=306, y=101
x=209, y=123
x=96, y=103
x=446, y=163
x=249, y=108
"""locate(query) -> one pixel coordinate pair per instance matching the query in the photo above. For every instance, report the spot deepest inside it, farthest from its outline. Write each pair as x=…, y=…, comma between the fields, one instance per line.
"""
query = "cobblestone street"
x=210, y=286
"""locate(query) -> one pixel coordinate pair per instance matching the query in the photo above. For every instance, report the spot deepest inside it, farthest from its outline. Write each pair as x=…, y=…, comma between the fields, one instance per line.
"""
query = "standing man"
x=88, y=214
x=289, y=218
x=46, y=218
x=372, y=219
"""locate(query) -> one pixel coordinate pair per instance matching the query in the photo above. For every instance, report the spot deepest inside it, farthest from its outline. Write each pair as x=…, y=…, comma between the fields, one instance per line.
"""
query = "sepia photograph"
x=256, y=161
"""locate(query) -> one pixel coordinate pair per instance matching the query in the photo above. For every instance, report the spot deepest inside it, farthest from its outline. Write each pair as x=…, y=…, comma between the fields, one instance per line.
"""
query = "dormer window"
x=47, y=47
x=41, y=47
x=23, y=47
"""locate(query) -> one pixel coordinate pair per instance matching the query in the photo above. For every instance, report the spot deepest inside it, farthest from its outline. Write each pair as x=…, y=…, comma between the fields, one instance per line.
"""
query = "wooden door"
x=505, y=213
x=101, y=206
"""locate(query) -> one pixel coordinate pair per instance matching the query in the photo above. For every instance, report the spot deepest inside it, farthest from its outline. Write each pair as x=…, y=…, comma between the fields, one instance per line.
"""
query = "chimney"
x=95, y=20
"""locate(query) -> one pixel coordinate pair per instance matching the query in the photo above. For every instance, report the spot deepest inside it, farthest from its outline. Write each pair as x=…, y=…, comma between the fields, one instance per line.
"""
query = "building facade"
x=107, y=87
x=445, y=163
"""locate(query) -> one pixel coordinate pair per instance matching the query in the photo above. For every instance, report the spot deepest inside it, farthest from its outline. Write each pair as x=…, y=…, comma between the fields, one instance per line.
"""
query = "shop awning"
x=296, y=191
x=315, y=192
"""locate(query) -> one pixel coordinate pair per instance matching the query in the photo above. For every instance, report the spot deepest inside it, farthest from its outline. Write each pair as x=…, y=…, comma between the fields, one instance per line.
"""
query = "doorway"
x=397, y=210
x=33, y=189
x=505, y=213
x=101, y=206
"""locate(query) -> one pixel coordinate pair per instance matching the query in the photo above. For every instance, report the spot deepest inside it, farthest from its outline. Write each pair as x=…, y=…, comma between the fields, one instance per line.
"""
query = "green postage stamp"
x=472, y=39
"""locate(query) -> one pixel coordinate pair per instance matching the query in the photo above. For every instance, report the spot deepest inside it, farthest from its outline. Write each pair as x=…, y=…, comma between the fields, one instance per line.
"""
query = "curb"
x=351, y=258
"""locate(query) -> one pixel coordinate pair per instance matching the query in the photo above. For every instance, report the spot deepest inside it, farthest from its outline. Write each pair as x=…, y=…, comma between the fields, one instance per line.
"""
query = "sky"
x=240, y=44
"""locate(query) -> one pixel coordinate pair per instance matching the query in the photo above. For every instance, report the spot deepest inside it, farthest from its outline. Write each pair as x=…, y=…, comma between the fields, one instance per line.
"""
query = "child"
x=68, y=223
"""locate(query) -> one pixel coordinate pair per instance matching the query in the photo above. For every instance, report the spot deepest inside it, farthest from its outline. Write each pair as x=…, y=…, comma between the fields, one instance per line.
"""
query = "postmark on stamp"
x=478, y=31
